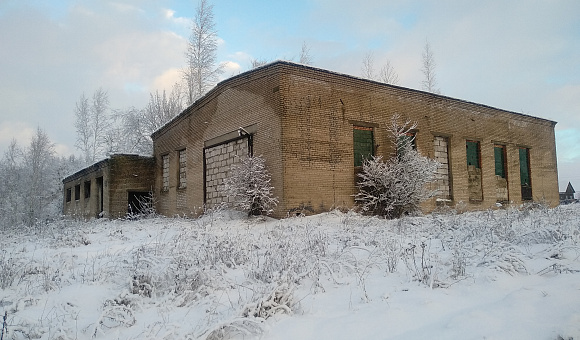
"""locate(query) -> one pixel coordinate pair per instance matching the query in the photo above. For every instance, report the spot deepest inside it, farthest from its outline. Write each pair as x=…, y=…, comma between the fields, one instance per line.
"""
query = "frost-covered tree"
x=397, y=186
x=92, y=123
x=201, y=71
x=429, y=83
x=137, y=125
x=249, y=185
x=39, y=160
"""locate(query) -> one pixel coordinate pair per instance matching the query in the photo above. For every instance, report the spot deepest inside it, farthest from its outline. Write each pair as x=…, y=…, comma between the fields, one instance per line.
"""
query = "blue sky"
x=522, y=56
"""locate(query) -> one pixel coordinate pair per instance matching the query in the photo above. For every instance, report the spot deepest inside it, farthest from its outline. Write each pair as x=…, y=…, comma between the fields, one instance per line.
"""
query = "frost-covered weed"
x=235, y=271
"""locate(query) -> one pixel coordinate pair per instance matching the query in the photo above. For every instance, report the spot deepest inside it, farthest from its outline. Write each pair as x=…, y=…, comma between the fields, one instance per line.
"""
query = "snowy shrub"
x=9, y=269
x=249, y=185
x=278, y=301
x=396, y=187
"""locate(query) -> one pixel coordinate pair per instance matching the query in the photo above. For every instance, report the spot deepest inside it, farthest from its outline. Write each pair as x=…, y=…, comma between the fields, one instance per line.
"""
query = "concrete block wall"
x=219, y=162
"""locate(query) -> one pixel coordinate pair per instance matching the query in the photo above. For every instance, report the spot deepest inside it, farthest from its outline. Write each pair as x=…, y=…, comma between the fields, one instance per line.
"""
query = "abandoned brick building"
x=109, y=188
x=313, y=127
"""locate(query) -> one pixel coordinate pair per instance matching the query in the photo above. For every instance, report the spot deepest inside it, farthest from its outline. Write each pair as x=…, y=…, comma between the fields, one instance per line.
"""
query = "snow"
x=503, y=274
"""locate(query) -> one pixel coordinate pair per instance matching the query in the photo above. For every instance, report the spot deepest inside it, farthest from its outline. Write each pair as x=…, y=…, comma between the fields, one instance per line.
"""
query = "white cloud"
x=20, y=131
x=169, y=14
x=167, y=79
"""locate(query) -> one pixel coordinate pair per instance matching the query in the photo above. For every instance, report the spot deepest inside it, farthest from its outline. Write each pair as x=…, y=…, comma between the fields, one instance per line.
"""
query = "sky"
x=522, y=56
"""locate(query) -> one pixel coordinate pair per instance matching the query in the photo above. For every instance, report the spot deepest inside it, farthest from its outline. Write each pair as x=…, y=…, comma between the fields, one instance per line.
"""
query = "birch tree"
x=429, y=82
x=82, y=125
x=201, y=72
x=92, y=123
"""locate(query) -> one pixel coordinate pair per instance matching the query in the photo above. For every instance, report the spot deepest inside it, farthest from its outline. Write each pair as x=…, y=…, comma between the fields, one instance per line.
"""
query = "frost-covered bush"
x=396, y=187
x=249, y=185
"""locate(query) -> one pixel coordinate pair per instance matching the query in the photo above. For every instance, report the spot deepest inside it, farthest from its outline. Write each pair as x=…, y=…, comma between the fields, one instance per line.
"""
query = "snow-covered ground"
x=505, y=274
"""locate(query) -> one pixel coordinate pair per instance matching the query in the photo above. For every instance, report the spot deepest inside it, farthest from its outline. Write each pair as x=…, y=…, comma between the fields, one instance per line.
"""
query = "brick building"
x=109, y=188
x=314, y=127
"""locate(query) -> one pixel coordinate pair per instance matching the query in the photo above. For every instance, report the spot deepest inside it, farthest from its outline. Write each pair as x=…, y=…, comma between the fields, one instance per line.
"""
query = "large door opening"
x=139, y=202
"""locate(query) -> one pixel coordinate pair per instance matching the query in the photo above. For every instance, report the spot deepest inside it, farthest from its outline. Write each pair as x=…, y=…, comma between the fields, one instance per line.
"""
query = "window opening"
x=87, y=189
x=182, y=169
x=474, y=178
x=77, y=192
x=525, y=178
x=165, y=163
x=500, y=160
x=472, y=149
x=68, y=194
x=443, y=175
x=501, y=184
x=363, y=144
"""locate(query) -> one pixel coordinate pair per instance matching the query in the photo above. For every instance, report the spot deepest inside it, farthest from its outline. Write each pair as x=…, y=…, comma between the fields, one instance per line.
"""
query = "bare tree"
x=100, y=122
x=92, y=123
x=305, y=57
x=388, y=75
x=201, y=72
x=255, y=63
x=82, y=123
x=368, y=68
x=429, y=82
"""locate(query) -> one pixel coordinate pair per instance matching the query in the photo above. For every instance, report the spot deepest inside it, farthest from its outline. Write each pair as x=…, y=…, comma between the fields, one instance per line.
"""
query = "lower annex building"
x=313, y=127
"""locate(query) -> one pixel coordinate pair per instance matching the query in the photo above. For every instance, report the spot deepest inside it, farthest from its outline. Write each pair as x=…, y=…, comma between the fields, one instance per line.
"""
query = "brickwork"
x=304, y=119
x=104, y=186
x=251, y=99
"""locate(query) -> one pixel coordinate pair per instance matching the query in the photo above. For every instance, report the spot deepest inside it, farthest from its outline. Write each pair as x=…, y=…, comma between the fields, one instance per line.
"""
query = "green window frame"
x=500, y=160
x=363, y=144
x=473, y=152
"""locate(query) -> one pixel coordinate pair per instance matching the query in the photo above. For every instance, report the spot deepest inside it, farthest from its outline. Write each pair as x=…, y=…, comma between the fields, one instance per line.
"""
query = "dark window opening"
x=87, y=189
x=77, y=192
x=525, y=178
x=68, y=194
x=500, y=161
x=363, y=144
x=99, y=193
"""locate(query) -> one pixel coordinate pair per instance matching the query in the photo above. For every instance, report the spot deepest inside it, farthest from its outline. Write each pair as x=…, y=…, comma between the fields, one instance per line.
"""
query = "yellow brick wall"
x=304, y=119
x=249, y=99
x=321, y=108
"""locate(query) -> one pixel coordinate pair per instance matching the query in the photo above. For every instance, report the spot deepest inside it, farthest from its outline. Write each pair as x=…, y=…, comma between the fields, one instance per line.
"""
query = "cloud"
x=167, y=79
x=169, y=14
x=20, y=131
